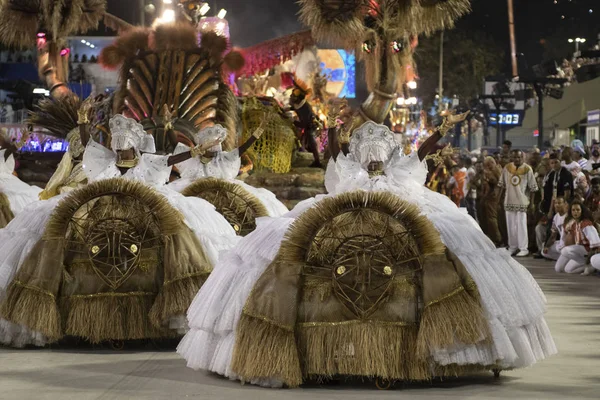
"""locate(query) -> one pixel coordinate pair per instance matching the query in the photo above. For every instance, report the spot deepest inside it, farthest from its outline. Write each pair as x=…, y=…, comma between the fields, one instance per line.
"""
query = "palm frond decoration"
x=20, y=20
x=59, y=116
x=177, y=73
x=344, y=22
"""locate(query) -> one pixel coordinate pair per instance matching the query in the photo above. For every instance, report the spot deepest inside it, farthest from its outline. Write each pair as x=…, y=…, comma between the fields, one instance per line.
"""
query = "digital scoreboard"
x=506, y=118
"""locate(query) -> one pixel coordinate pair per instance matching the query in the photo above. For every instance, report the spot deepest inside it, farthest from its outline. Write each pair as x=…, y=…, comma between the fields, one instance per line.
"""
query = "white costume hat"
x=210, y=134
x=372, y=142
x=129, y=134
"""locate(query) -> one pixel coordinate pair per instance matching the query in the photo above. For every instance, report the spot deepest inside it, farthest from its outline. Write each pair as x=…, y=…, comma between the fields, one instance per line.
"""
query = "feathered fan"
x=166, y=67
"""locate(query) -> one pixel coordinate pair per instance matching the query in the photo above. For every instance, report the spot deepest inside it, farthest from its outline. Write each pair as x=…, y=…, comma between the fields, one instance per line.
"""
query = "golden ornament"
x=387, y=270
x=95, y=249
x=340, y=270
x=133, y=248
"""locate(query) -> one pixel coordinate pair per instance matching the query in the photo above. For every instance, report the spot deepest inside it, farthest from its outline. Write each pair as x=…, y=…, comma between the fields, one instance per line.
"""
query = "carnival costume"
x=118, y=259
x=293, y=300
x=15, y=195
x=204, y=177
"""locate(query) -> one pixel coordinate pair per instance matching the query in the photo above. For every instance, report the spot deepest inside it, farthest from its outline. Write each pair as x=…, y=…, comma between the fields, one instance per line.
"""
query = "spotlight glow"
x=168, y=16
x=204, y=9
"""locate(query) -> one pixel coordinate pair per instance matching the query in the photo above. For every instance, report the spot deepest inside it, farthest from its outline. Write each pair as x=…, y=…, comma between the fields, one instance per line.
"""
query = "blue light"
x=47, y=146
x=347, y=75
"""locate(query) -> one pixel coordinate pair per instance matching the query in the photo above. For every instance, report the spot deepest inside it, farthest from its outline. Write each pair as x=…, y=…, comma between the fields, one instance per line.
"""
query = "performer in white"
x=223, y=165
x=512, y=300
x=18, y=194
x=519, y=183
x=130, y=158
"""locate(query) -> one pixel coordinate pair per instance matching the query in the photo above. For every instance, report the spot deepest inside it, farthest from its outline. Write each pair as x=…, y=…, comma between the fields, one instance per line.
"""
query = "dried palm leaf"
x=59, y=116
x=20, y=20
x=344, y=22
x=116, y=23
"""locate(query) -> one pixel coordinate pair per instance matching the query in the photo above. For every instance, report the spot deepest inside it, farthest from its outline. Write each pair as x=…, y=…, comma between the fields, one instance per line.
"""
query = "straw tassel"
x=455, y=318
x=361, y=348
x=6, y=214
x=34, y=308
x=265, y=350
x=175, y=297
x=110, y=316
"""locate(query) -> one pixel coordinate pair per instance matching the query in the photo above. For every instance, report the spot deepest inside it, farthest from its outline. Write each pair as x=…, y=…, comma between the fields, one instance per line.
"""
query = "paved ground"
x=86, y=374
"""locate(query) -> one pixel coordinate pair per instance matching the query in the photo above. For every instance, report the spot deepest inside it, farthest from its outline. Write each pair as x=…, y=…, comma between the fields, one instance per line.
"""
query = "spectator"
x=558, y=182
x=578, y=157
x=551, y=245
x=579, y=237
x=593, y=165
x=457, y=184
x=471, y=195
x=519, y=184
x=567, y=159
x=593, y=200
x=581, y=184
x=506, y=148
x=489, y=199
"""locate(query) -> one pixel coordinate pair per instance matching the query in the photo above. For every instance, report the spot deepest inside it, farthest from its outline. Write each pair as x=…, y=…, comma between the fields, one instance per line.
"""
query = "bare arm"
x=84, y=133
x=83, y=120
x=448, y=123
x=336, y=137
x=246, y=145
x=333, y=143
x=429, y=146
x=194, y=152
x=255, y=135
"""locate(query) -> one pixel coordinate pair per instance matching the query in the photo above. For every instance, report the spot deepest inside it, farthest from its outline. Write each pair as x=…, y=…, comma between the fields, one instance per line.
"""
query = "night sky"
x=541, y=28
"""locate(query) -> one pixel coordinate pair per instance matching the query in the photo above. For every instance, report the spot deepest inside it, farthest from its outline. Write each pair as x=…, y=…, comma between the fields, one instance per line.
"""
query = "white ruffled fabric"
x=513, y=302
x=21, y=234
x=18, y=193
x=225, y=165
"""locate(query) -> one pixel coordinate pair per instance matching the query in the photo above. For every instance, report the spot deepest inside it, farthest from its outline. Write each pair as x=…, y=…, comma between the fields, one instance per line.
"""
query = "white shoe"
x=588, y=271
x=522, y=253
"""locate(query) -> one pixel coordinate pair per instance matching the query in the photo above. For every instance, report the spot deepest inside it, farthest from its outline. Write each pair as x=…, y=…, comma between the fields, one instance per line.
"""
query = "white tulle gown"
x=18, y=237
x=512, y=300
x=225, y=165
x=18, y=193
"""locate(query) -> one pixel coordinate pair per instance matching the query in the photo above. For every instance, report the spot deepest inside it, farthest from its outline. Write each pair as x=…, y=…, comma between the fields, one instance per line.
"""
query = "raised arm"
x=253, y=138
x=199, y=150
x=337, y=138
x=83, y=120
x=448, y=122
x=255, y=135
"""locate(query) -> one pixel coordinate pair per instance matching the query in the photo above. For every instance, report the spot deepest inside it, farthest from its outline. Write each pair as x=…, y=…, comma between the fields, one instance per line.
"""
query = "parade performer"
x=293, y=300
x=118, y=259
x=60, y=117
x=223, y=168
x=15, y=195
x=308, y=122
x=520, y=185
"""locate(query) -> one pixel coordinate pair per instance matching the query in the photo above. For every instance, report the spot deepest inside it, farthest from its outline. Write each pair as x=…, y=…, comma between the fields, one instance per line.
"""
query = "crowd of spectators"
x=531, y=202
